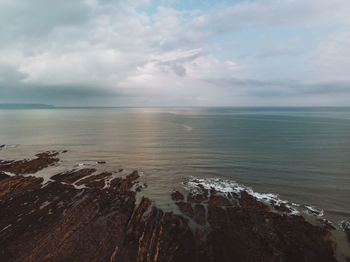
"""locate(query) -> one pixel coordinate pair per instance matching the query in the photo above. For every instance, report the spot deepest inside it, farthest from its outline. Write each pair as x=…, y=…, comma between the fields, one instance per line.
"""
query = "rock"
x=249, y=202
x=58, y=222
x=199, y=214
x=176, y=196
x=73, y=175
x=186, y=208
x=94, y=180
x=346, y=228
x=218, y=200
x=101, y=162
x=3, y=175
x=281, y=207
x=196, y=198
x=31, y=166
x=327, y=224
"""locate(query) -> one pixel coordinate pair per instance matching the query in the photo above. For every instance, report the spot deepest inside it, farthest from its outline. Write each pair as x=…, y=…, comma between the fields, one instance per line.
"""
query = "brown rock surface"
x=41, y=161
x=58, y=222
x=73, y=175
x=176, y=196
x=346, y=227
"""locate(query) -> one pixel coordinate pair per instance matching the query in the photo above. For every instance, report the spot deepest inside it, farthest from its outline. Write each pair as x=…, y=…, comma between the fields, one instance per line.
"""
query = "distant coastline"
x=47, y=106
x=26, y=106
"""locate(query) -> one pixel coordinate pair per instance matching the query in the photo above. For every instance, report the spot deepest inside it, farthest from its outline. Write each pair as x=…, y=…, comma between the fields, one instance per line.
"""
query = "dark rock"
x=94, y=180
x=196, y=198
x=346, y=227
x=42, y=161
x=327, y=224
x=199, y=214
x=218, y=200
x=281, y=207
x=73, y=175
x=247, y=201
x=101, y=162
x=3, y=175
x=58, y=222
x=176, y=196
x=186, y=208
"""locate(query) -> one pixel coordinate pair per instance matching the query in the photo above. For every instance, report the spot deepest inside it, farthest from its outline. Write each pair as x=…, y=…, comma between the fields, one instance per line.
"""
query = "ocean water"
x=300, y=154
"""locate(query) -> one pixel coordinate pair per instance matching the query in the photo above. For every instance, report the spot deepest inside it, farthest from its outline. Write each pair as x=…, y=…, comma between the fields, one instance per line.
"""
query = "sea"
x=297, y=154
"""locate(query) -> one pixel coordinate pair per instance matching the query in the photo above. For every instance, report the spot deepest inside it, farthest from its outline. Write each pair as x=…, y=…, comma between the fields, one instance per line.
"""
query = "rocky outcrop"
x=30, y=166
x=346, y=227
x=100, y=221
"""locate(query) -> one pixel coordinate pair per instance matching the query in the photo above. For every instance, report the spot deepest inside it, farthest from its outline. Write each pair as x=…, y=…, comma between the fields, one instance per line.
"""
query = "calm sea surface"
x=301, y=154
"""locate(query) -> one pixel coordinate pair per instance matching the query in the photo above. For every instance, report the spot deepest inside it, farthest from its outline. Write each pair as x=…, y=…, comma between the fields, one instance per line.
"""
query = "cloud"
x=331, y=59
x=279, y=13
x=90, y=52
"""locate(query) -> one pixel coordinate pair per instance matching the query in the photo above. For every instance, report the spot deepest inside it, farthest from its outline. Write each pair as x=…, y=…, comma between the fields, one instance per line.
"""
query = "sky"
x=175, y=52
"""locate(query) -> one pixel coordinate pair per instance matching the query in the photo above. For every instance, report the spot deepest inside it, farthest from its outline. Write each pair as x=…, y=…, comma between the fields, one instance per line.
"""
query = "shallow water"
x=301, y=154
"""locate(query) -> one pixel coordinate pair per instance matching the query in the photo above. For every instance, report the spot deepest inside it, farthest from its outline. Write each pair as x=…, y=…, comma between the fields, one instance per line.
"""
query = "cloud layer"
x=142, y=53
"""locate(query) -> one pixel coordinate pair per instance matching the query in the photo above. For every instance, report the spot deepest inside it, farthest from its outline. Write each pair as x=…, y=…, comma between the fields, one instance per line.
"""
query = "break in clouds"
x=175, y=53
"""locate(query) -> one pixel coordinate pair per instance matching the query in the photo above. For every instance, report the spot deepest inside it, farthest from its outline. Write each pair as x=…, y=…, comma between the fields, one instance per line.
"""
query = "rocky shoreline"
x=82, y=215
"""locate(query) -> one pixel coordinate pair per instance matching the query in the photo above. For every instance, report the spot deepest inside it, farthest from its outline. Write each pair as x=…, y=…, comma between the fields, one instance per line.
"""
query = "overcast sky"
x=175, y=52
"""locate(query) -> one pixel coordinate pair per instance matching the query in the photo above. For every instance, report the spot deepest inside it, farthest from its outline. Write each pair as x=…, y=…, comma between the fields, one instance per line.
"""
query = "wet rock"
x=346, y=227
x=73, y=175
x=58, y=222
x=281, y=207
x=327, y=224
x=3, y=175
x=129, y=181
x=313, y=211
x=247, y=201
x=218, y=200
x=199, y=214
x=186, y=208
x=196, y=198
x=94, y=180
x=16, y=186
x=31, y=166
x=176, y=196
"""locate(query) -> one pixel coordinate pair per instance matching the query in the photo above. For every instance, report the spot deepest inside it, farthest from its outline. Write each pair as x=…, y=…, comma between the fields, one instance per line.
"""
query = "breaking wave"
x=226, y=186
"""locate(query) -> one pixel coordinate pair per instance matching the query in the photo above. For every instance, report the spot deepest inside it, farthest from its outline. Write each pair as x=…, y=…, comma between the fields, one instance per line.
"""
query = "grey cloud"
x=19, y=19
x=9, y=75
x=281, y=88
x=114, y=52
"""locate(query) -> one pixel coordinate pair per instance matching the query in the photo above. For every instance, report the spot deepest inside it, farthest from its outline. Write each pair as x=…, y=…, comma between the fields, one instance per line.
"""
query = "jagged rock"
x=346, y=227
x=249, y=202
x=186, y=208
x=196, y=198
x=42, y=161
x=280, y=207
x=94, y=180
x=327, y=224
x=3, y=175
x=73, y=175
x=218, y=200
x=58, y=222
x=199, y=214
x=176, y=196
